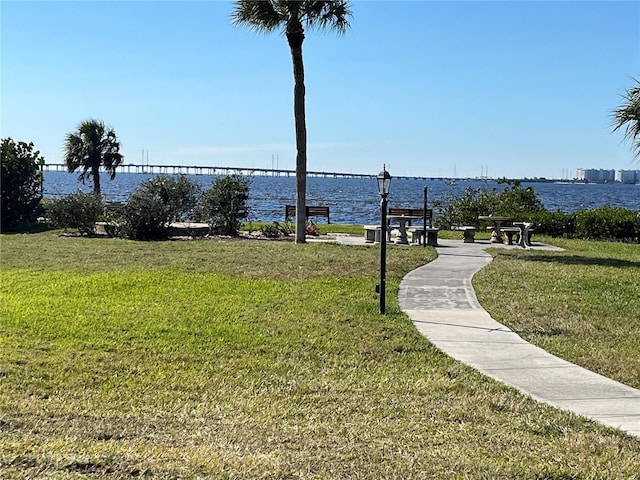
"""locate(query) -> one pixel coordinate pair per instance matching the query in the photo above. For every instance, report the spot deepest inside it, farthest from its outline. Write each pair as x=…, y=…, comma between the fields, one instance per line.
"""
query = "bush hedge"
x=513, y=200
x=20, y=183
x=224, y=205
x=604, y=223
x=607, y=223
x=79, y=210
x=155, y=204
x=144, y=217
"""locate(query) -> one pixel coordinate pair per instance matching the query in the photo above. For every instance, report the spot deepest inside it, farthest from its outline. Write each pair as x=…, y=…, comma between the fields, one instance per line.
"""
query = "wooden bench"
x=315, y=211
x=409, y=212
x=413, y=212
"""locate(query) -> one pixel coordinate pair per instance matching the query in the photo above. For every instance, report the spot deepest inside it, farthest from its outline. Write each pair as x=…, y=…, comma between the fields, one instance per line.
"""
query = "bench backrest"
x=414, y=212
x=318, y=212
x=312, y=211
x=290, y=212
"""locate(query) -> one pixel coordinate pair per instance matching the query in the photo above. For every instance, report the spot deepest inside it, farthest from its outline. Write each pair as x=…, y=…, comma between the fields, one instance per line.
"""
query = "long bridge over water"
x=205, y=170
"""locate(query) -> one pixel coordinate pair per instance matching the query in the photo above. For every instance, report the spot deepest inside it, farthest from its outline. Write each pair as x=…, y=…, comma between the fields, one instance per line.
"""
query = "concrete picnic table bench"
x=418, y=235
x=404, y=218
x=468, y=232
x=522, y=231
x=524, y=236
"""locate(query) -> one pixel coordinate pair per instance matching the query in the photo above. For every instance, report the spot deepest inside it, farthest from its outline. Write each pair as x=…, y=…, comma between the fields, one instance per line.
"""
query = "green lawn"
x=253, y=359
x=582, y=304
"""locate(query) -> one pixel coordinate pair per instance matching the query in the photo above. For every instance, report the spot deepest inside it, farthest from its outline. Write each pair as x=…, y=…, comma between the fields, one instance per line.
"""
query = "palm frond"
x=265, y=16
x=261, y=16
x=111, y=156
x=328, y=15
x=92, y=145
x=627, y=116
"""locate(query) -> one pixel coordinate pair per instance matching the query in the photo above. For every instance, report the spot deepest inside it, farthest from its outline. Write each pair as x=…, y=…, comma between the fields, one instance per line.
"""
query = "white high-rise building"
x=593, y=175
x=628, y=176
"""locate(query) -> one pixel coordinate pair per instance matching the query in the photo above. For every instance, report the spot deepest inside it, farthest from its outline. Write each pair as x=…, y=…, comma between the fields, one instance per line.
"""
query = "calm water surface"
x=356, y=200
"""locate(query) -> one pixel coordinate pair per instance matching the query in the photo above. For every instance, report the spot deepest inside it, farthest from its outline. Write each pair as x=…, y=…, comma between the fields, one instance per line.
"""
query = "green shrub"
x=604, y=223
x=20, y=183
x=513, y=200
x=224, y=205
x=463, y=210
x=607, y=223
x=277, y=229
x=555, y=224
x=79, y=210
x=271, y=230
x=155, y=204
x=144, y=217
x=180, y=195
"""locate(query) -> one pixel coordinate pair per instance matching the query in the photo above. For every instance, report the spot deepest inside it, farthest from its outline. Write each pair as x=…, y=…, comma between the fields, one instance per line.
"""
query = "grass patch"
x=323, y=228
x=457, y=235
x=252, y=359
x=581, y=304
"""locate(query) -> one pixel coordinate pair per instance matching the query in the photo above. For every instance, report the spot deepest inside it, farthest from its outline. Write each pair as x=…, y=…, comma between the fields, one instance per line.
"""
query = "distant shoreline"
x=356, y=200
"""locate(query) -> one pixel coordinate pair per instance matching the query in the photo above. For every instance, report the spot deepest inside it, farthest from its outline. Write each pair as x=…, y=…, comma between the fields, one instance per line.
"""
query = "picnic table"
x=402, y=220
x=496, y=235
x=525, y=233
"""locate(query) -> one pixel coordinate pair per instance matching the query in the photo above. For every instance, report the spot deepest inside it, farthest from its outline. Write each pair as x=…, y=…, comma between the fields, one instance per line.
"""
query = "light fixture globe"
x=384, y=182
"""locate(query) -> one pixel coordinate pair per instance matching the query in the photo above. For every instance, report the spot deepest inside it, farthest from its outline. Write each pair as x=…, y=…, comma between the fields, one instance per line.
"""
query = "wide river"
x=356, y=200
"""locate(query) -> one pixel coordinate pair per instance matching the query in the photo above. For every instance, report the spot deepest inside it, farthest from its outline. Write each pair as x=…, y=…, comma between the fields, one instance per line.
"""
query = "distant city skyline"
x=603, y=175
x=433, y=89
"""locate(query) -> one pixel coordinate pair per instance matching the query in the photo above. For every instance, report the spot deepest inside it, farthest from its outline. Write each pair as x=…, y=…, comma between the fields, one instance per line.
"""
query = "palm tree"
x=292, y=17
x=628, y=116
x=93, y=145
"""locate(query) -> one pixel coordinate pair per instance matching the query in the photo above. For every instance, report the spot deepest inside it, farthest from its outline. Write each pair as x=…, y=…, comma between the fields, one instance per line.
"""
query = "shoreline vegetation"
x=265, y=359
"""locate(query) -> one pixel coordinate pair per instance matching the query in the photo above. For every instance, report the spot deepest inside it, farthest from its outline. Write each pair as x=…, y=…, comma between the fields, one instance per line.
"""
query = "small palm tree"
x=628, y=116
x=293, y=17
x=93, y=145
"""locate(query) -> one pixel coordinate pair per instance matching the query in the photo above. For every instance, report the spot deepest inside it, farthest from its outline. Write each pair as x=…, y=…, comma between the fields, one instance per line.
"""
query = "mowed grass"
x=252, y=359
x=323, y=228
x=582, y=304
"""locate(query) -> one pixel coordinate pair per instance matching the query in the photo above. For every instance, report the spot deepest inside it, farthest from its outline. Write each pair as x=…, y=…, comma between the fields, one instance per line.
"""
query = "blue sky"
x=515, y=89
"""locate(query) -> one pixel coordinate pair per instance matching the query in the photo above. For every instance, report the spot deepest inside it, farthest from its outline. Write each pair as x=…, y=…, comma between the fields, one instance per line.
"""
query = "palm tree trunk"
x=295, y=43
x=95, y=173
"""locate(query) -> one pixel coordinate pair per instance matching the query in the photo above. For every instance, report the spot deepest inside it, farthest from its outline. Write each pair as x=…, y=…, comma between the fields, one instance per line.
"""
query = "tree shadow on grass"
x=580, y=260
x=28, y=228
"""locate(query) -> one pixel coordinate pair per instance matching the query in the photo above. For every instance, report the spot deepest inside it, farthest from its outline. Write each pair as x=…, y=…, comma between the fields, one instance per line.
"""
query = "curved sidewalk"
x=441, y=302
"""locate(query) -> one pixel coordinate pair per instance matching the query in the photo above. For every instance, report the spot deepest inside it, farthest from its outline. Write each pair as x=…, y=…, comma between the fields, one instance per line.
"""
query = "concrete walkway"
x=439, y=299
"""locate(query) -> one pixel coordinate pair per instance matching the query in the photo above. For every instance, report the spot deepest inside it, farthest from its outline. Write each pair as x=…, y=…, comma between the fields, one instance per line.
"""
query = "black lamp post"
x=424, y=219
x=384, y=182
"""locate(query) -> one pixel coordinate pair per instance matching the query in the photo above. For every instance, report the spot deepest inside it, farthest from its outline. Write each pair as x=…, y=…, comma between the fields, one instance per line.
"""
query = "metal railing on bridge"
x=206, y=170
